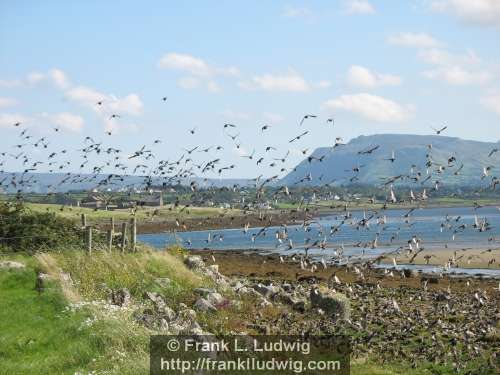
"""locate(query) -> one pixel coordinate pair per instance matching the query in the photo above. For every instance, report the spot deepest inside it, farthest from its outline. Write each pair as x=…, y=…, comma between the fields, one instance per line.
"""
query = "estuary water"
x=436, y=228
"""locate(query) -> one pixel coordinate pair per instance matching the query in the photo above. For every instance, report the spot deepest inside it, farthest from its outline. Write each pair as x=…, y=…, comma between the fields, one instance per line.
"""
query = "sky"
x=374, y=66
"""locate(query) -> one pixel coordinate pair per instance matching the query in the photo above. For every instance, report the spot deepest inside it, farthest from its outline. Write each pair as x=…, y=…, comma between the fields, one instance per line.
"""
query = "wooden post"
x=110, y=239
x=84, y=221
x=133, y=233
x=124, y=236
x=88, y=239
x=112, y=223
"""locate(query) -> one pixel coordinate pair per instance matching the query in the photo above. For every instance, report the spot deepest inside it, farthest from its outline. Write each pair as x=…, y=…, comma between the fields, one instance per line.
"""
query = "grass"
x=49, y=334
x=135, y=271
x=37, y=336
x=160, y=213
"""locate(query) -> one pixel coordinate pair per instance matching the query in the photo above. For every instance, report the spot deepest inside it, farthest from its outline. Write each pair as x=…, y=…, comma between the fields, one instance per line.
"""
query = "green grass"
x=135, y=271
x=37, y=337
x=145, y=213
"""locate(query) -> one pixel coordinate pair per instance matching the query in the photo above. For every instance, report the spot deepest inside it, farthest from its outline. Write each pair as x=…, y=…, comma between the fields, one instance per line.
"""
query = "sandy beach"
x=463, y=258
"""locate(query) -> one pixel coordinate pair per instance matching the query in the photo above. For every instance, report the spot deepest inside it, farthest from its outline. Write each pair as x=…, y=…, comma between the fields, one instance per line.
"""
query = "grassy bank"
x=69, y=327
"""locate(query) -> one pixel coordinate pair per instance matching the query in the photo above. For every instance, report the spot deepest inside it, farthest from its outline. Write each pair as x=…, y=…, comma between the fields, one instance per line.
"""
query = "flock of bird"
x=108, y=168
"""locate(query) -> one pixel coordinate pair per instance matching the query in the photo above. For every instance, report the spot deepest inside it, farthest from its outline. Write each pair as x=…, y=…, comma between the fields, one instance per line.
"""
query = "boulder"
x=298, y=304
x=215, y=298
x=214, y=268
x=160, y=306
x=120, y=297
x=334, y=304
x=267, y=290
x=194, y=262
x=202, y=304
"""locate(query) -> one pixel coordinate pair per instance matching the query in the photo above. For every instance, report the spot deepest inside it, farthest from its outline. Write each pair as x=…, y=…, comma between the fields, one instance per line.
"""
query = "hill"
x=337, y=164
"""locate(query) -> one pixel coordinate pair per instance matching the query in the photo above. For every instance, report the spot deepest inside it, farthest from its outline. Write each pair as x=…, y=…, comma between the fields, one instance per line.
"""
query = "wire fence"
x=121, y=237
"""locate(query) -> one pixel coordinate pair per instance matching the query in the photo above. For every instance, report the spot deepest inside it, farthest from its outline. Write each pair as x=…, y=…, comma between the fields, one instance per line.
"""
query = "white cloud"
x=59, y=78
x=457, y=75
x=359, y=7
x=34, y=78
x=7, y=102
x=187, y=63
x=418, y=40
x=7, y=120
x=130, y=104
x=212, y=86
x=371, y=107
x=298, y=12
x=291, y=82
x=492, y=102
x=363, y=77
x=479, y=12
x=197, y=67
x=323, y=84
x=454, y=69
x=188, y=83
x=68, y=121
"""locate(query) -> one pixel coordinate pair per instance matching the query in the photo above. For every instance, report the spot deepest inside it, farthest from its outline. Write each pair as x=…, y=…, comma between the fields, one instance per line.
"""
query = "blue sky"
x=375, y=66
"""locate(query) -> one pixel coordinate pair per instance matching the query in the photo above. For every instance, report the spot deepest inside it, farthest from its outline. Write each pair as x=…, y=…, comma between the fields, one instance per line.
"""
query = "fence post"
x=110, y=239
x=133, y=233
x=124, y=236
x=84, y=221
x=88, y=239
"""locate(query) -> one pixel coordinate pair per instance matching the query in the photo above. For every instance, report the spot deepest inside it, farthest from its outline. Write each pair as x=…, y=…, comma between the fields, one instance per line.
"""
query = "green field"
x=167, y=212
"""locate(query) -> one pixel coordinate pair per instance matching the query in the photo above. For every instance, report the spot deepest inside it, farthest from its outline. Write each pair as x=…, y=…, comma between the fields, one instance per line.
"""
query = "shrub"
x=24, y=230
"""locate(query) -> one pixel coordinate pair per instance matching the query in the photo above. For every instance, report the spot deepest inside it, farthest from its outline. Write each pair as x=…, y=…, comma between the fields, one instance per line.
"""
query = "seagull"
x=306, y=117
x=439, y=131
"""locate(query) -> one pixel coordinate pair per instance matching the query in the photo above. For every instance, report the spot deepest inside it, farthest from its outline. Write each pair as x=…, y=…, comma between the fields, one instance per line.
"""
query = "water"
x=422, y=223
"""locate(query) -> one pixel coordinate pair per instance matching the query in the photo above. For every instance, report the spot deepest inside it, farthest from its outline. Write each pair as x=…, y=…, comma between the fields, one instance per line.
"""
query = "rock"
x=147, y=318
x=267, y=290
x=163, y=282
x=120, y=297
x=334, y=304
x=160, y=305
x=186, y=314
x=236, y=285
x=194, y=262
x=202, y=304
x=175, y=328
x=214, y=268
x=442, y=297
x=215, y=298
x=287, y=287
x=203, y=291
x=11, y=264
x=264, y=302
x=296, y=303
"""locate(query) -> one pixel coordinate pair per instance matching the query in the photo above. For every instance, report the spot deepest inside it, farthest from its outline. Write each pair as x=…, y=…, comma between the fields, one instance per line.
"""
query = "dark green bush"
x=24, y=230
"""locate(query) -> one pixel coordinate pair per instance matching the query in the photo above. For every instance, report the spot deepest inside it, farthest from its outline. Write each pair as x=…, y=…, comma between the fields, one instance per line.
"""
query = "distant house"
x=93, y=201
x=151, y=201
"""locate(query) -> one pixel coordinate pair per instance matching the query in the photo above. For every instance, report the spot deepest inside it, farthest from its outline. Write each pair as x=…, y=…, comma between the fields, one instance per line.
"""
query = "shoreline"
x=254, y=264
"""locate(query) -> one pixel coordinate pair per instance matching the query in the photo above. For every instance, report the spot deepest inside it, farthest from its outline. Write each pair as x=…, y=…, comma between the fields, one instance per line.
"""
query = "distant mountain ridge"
x=39, y=182
x=337, y=164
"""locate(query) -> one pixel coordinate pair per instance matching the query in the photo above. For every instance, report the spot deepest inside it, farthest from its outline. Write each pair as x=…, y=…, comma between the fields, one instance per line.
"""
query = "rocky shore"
x=403, y=317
